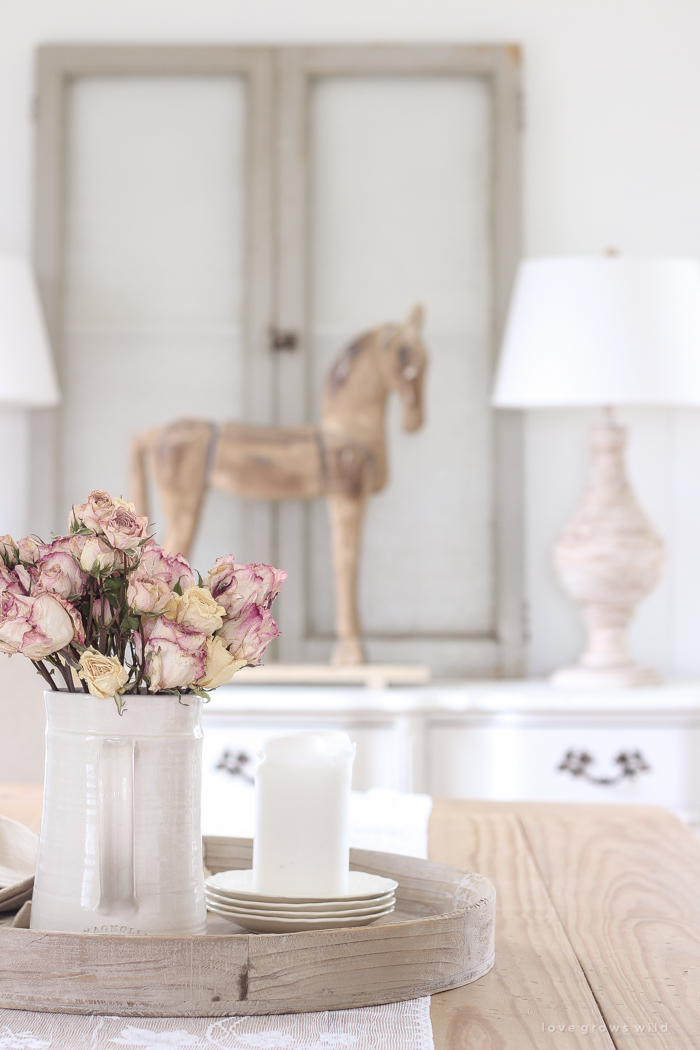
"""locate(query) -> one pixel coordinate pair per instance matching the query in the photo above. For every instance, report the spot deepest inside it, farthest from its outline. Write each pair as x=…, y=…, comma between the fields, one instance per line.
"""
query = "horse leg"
x=180, y=468
x=346, y=513
x=141, y=444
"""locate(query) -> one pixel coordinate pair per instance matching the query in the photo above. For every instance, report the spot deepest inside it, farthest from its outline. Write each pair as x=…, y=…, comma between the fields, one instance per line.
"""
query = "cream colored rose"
x=104, y=675
x=197, y=609
x=220, y=667
x=97, y=557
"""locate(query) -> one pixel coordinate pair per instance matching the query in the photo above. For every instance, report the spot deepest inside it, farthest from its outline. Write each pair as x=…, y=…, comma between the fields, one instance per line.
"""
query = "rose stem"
x=67, y=675
x=46, y=675
x=89, y=623
x=122, y=599
x=54, y=659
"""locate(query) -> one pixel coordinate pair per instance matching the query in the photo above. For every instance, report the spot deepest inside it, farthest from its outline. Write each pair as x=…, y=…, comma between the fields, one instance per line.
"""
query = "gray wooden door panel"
x=458, y=609
x=145, y=268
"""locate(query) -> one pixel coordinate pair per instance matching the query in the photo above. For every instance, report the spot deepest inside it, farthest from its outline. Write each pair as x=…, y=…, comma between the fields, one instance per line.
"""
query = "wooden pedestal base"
x=626, y=676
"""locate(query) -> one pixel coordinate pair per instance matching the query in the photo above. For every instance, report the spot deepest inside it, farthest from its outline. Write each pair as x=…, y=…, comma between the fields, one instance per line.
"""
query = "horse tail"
x=138, y=489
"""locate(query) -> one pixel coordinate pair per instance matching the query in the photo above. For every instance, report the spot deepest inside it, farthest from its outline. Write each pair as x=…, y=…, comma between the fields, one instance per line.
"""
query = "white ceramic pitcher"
x=121, y=843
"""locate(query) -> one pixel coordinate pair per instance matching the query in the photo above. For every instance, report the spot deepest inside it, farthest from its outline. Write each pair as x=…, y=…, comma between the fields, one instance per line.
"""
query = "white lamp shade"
x=27, y=371
x=602, y=330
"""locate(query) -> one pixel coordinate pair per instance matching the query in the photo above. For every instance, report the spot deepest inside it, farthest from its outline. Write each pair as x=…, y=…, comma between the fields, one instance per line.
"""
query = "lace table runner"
x=398, y=1026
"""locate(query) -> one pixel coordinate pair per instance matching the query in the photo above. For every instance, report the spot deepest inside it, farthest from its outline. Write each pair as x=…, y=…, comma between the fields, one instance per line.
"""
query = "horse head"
x=405, y=360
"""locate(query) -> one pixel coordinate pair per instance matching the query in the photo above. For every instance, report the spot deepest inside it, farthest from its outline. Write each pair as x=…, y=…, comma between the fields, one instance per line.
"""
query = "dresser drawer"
x=516, y=760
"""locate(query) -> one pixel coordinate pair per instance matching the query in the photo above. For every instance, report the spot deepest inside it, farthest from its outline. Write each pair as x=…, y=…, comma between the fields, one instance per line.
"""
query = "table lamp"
x=604, y=331
x=27, y=371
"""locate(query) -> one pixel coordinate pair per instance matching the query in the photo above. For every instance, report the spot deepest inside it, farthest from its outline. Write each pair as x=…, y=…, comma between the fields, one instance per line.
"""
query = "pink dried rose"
x=34, y=626
x=23, y=579
x=65, y=545
x=9, y=581
x=17, y=580
x=57, y=569
x=28, y=550
x=272, y=580
x=146, y=594
x=89, y=515
x=170, y=568
x=102, y=611
x=123, y=528
x=175, y=655
x=237, y=586
x=247, y=636
x=76, y=620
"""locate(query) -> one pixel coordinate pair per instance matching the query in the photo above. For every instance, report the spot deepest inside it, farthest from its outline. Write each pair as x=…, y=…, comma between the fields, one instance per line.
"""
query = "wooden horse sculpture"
x=344, y=459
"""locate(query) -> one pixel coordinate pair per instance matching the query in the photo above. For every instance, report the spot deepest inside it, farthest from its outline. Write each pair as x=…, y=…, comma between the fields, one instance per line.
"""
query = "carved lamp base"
x=608, y=558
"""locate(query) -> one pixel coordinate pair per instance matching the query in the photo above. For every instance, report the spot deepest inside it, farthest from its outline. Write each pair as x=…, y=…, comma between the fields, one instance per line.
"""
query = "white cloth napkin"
x=19, y=849
x=398, y=1026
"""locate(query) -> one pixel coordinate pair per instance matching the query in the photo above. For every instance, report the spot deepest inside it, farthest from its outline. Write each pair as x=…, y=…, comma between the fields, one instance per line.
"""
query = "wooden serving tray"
x=440, y=936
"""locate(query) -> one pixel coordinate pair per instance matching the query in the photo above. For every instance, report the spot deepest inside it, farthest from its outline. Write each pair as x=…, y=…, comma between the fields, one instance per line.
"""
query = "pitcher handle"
x=116, y=783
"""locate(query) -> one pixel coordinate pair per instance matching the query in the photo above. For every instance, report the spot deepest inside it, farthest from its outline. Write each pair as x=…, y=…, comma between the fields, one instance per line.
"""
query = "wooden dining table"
x=597, y=929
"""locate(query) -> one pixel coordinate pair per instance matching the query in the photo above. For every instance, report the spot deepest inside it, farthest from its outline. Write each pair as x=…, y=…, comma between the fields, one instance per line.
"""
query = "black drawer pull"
x=631, y=764
x=236, y=763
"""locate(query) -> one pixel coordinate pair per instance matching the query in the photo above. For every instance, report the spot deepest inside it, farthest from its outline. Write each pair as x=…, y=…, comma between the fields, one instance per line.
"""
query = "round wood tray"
x=440, y=936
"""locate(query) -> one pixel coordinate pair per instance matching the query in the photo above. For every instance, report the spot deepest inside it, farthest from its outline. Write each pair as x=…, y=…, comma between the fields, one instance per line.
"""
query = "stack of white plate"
x=231, y=895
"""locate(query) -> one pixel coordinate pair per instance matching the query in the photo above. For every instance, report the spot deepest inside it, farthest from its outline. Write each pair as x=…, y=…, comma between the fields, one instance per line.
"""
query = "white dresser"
x=486, y=740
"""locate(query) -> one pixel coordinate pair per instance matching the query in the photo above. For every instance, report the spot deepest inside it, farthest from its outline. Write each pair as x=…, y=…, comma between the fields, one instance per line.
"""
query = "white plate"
x=263, y=924
x=341, y=913
x=335, y=916
x=300, y=909
x=361, y=884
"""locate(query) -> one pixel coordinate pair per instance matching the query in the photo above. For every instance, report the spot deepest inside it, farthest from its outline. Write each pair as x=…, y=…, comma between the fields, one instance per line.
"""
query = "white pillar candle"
x=302, y=823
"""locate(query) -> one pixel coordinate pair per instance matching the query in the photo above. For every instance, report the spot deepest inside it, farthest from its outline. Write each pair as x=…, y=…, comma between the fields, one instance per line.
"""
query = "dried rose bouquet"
x=108, y=605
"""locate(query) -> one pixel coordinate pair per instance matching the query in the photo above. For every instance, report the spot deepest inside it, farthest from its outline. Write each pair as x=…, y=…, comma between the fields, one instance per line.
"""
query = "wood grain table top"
x=598, y=924
x=597, y=927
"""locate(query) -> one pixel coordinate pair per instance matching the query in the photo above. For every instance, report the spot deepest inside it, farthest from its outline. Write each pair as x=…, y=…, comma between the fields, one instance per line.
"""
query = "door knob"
x=283, y=340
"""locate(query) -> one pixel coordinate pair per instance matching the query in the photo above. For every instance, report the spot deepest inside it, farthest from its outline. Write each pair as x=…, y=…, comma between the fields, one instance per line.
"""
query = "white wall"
x=612, y=157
